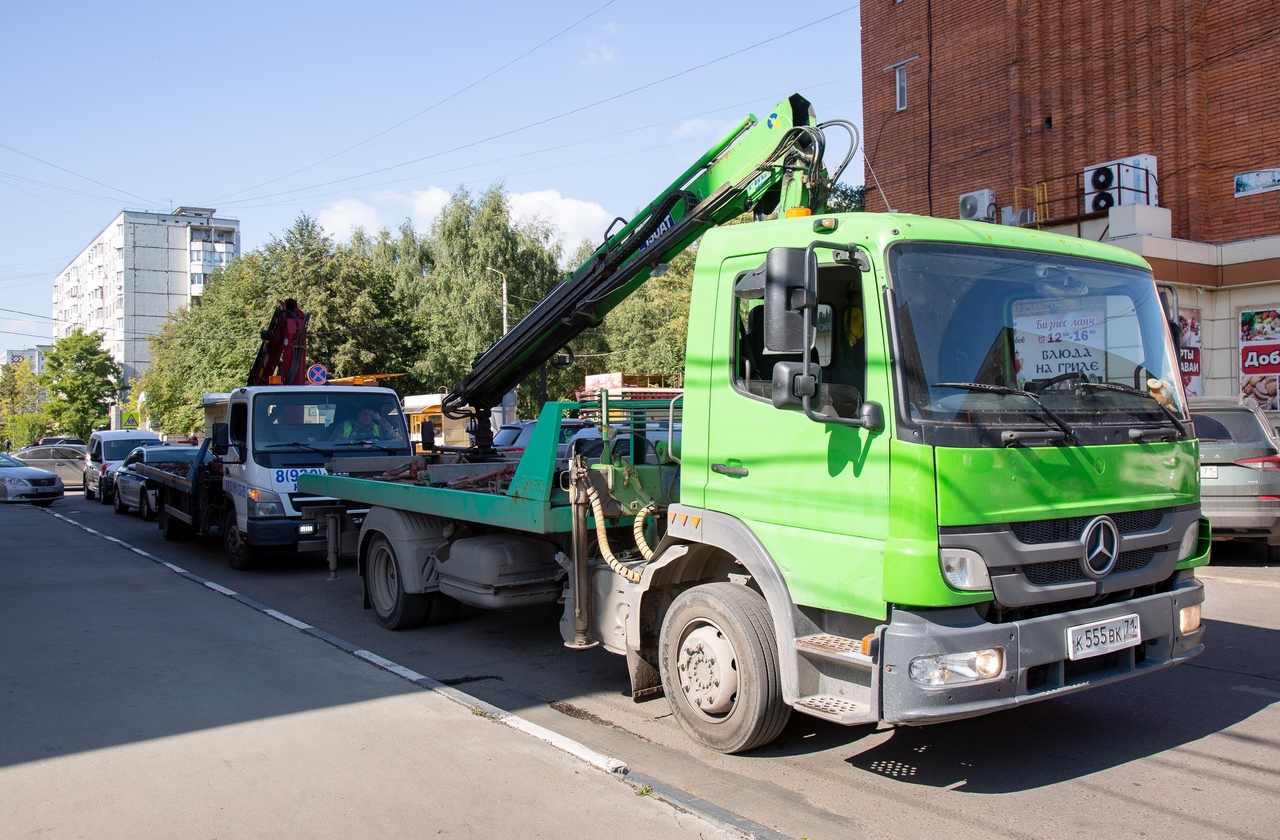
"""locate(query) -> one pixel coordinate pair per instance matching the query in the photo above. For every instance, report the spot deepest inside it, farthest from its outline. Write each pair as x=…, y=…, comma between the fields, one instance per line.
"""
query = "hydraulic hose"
x=597, y=510
x=637, y=530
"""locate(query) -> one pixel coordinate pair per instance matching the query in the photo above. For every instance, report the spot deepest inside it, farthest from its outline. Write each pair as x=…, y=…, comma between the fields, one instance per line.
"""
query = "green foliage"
x=847, y=199
x=21, y=420
x=83, y=381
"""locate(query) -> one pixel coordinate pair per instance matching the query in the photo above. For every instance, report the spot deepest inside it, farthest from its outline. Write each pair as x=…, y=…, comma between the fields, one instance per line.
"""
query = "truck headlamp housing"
x=263, y=503
x=957, y=668
x=964, y=569
x=1189, y=540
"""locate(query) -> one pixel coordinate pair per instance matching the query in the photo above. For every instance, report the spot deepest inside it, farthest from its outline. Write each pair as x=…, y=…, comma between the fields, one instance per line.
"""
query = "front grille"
x=1062, y=530
x=1068, y=571
x=42, y=482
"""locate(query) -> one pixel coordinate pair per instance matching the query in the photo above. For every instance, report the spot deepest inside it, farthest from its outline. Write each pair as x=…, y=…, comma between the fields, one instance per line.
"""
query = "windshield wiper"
x=1011, y=437
x=302, y=444
x=1136, y=434
x=372, y=444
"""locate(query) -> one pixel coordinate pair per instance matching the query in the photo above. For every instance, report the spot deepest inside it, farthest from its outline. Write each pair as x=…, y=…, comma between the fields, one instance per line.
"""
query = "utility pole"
x=509, y=400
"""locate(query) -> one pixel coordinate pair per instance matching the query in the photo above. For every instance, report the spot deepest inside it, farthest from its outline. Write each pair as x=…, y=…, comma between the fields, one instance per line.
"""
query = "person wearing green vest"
x=368, y=425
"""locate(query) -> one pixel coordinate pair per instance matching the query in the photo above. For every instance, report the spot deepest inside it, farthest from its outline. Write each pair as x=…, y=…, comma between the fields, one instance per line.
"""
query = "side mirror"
x=221, y=439
x=786, y=296
x=791, y=384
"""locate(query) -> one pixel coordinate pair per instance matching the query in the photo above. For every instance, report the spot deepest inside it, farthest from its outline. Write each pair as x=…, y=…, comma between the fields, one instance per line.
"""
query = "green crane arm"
x=757, y=167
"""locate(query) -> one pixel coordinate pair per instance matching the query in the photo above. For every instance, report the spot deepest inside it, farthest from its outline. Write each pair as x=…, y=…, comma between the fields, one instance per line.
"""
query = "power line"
x=431, y=107
x=77, y=174
x=562, y=115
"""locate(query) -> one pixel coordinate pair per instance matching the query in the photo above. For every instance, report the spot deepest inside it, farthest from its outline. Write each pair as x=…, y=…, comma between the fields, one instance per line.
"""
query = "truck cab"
x=274, y=433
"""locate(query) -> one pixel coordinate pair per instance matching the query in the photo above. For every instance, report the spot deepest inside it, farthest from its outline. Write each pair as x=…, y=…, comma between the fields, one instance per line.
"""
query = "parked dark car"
x=130, y=486
x=65, y=459
x=514, y=437
x=1239, y=471
x=20, y=483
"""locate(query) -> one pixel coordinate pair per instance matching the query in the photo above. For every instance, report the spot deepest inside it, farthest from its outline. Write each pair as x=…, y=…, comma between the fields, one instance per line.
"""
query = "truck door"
x=815, y=494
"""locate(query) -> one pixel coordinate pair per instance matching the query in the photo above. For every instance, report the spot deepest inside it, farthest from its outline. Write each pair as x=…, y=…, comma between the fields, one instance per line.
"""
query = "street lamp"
x=504, y=295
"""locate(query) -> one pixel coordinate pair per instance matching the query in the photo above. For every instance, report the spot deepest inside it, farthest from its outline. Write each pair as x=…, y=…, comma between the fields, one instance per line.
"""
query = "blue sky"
x=373, y=113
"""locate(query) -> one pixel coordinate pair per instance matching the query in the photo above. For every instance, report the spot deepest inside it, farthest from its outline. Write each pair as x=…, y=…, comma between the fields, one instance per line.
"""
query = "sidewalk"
x=137, y=703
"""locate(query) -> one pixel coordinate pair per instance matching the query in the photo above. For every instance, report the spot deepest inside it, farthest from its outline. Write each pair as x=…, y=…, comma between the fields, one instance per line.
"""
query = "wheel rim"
x=707, y=666
x=234, y=543
x=384, y=581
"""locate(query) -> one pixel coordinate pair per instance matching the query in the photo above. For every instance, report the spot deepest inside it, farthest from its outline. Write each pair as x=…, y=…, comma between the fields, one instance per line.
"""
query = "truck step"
x=835, y=709
x=835, y=648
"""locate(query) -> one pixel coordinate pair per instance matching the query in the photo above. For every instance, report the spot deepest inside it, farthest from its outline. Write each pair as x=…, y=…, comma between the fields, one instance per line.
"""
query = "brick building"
x=1013, y=105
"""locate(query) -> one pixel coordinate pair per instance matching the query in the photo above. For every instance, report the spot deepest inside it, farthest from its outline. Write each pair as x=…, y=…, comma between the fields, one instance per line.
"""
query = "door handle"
x=725, y=469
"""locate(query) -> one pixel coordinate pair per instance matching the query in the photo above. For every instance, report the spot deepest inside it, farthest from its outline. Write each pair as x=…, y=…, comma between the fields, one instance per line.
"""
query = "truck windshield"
x=996, y=340
x=327, y=421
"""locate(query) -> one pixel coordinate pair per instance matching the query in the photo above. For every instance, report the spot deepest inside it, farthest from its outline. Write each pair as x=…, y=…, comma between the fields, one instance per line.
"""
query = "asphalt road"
x=1191, y=751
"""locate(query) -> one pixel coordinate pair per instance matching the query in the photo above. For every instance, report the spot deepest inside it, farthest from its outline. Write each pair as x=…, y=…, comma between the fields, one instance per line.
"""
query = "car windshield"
x=996, y=339
x=118, y=450
x=315, y=419
x=8, y=461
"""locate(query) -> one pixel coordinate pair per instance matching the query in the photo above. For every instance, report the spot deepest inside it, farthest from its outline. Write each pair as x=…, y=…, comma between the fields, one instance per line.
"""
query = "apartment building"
x=33, y=356
x=1152, y=126
x=140, y=268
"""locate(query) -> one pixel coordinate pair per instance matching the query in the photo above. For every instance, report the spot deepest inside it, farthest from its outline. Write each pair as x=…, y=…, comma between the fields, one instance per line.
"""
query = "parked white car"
x=107, y=451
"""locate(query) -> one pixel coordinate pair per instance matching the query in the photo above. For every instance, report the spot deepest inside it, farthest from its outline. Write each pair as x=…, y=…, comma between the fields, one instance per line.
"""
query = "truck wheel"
x=145, y=510
x=117, y=503
x=719, y=664
x=241, y=555
x=395, y=608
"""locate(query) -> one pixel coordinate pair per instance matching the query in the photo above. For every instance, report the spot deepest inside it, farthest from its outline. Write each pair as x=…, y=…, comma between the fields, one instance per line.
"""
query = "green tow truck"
x=921, y=470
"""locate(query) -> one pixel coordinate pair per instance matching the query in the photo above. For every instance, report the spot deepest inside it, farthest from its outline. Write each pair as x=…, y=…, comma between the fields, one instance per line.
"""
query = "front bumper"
x=283, y=533
x=1037, y=666
x=1234, y=517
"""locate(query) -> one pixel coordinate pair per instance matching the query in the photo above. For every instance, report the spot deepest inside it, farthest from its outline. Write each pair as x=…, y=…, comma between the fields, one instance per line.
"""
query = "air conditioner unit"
x=1130, y=180
x=978, y=206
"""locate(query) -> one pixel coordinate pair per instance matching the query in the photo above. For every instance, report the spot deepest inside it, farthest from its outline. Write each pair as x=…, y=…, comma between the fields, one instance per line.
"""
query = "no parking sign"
x=317, y=374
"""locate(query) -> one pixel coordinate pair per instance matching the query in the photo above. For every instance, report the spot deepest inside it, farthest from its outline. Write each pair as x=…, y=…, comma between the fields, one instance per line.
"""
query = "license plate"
x=1103, y=637
x=1209, y=471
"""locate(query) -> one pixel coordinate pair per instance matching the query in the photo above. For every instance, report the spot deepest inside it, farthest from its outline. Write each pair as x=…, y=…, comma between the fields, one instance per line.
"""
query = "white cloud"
x=573, y=219
x=341, y=217
x=598, y=53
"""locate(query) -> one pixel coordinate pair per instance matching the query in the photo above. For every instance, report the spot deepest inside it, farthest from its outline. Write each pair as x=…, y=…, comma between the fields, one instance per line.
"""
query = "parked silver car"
x=1239, y=471
x=20, y=483
x=65, y=459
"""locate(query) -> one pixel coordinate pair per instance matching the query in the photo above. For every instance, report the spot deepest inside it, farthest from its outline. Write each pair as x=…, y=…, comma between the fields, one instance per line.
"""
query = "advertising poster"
x=1189, y=352
x=1056, y=337
x=1260, y=357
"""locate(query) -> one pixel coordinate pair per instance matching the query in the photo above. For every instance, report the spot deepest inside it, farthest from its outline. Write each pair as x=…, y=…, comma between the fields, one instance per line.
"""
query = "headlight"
x=1189, y=619
x=964, y=569
x=1189, y=541
x=263, y=503
x=15, y=481
x=957, y=668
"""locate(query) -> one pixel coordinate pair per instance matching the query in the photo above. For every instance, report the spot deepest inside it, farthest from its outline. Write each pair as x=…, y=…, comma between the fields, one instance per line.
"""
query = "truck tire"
x=394, y=608
x=117, y=503
x=240, y=554
x=718, y=656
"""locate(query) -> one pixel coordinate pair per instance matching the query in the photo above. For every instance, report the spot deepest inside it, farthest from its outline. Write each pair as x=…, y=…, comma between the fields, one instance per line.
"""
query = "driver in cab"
x=368, y=425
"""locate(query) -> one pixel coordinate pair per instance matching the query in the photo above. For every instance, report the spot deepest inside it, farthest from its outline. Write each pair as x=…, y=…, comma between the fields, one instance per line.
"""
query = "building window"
x=900, y=82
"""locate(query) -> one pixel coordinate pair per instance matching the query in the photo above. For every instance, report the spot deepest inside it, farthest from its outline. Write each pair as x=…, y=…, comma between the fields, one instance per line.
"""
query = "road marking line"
x=388, y=665
x=217, y=588
x=288, y=619
x=1251, y=690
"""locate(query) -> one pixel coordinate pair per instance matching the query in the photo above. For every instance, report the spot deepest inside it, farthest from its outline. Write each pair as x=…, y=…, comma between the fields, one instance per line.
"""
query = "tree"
x=21, y=420
x=83, y=381
x=847, y=199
